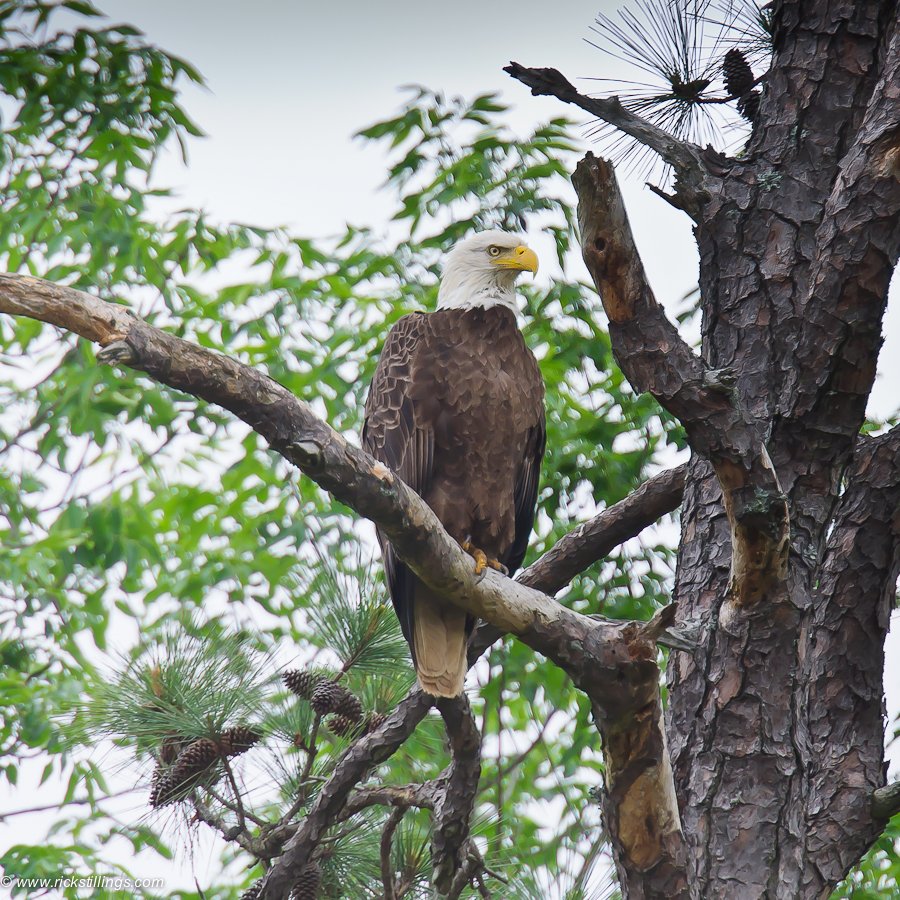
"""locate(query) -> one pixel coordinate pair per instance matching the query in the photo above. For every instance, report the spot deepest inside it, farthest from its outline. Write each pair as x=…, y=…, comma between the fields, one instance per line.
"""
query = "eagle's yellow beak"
x=522, y=257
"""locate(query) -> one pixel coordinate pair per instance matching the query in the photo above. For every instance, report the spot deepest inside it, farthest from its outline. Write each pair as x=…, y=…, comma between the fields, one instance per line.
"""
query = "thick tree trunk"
x=775, y=726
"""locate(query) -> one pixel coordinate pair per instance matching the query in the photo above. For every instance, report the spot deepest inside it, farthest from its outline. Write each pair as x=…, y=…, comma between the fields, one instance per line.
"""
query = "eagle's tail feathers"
x=439, y=645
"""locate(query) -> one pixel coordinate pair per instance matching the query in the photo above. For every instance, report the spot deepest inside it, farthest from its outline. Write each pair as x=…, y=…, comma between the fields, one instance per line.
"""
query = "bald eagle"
x=456, y=409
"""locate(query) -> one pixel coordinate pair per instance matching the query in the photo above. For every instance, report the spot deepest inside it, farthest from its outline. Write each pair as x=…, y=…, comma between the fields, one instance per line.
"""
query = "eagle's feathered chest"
x=456, y=408
x=474, y=370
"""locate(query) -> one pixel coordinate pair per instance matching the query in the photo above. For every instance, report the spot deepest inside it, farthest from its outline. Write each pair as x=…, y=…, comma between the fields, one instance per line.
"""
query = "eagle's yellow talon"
x=498, y=566
x=482, y=560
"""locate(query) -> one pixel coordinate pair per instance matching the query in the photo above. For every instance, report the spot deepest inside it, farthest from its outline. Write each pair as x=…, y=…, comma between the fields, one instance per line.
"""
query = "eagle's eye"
x=494, y=251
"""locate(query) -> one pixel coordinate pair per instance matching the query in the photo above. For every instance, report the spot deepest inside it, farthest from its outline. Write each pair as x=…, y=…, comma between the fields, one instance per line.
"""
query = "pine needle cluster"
x=196, y=683
x=697, y=64
x=217, y=728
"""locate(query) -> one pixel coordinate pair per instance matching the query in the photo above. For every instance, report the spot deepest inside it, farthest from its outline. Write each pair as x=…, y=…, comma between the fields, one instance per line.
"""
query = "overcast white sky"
x=289, y=83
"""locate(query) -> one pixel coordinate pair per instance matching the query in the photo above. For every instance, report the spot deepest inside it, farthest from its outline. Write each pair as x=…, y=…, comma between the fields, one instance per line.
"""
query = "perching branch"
x=294, y=431
x=693, y=182
x=591, y=541
x=594, y=653
x=655, y=358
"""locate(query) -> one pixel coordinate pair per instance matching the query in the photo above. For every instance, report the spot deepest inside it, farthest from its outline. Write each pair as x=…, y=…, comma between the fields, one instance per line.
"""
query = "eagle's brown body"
x=456, y=409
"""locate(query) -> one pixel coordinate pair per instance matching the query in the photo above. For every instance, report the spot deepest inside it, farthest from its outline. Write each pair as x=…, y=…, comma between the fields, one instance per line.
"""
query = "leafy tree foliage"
x=136, y=518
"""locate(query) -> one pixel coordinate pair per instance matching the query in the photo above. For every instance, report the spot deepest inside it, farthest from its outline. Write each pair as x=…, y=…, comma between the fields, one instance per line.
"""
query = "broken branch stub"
x=655, y=358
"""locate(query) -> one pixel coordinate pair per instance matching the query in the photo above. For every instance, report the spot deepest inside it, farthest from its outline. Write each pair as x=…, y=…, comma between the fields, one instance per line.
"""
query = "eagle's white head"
x=481, y=271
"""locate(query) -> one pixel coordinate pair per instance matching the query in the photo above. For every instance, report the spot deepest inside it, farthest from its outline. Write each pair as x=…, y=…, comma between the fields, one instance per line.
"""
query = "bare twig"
x=80, y=801
x=311, y=752
x=231, y=833
x=514, y=763
x=239, y=803
x=228, y=804
x=387, y=837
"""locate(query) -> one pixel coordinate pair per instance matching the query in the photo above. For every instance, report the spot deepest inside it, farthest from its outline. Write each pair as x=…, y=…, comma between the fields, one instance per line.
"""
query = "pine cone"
x=748, y=106
x=170, y=748
x=161, y=789
x=331, y=697
x=301, y=682
x=349, y=706
x=341, y=725
x=252, y=892
x=738, y=75
x=307, y=885
x=374, y=720
x=158, y=774
x=193, y=763
x=237, y=739
x=326, y=697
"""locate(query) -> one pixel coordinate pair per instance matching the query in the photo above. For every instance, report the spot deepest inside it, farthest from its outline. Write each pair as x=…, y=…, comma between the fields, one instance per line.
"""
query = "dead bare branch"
x=599, y=536
x=387, y=838
x=655, y=358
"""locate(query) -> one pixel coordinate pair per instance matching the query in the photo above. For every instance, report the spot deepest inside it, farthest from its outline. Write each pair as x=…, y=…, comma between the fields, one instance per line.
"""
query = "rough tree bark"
x=776, y=723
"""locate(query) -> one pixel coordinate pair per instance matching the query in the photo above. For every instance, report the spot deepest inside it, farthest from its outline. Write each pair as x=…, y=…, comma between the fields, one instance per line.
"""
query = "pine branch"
x=359, y=759
x=694, y=173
